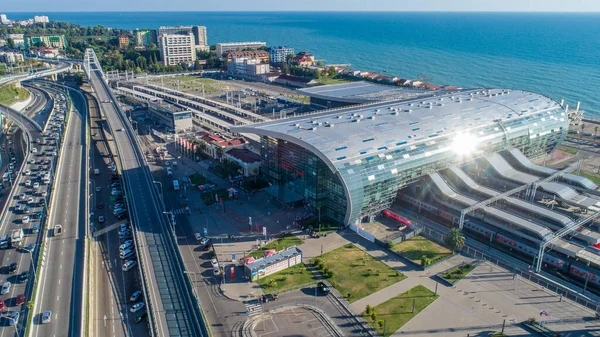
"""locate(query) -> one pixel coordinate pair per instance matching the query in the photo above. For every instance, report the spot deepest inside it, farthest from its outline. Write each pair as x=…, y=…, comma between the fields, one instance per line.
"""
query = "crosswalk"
x=179, y=211
x=253, y=308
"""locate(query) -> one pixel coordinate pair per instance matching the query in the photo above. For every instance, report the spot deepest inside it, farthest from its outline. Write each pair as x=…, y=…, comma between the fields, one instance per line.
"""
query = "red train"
x=396, y=217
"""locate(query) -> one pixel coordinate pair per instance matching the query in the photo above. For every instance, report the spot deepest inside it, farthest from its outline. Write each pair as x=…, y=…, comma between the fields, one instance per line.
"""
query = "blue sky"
x=301, y=5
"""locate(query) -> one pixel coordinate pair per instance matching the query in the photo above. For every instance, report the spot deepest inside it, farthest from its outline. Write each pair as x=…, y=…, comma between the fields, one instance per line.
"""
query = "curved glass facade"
x=348, y=189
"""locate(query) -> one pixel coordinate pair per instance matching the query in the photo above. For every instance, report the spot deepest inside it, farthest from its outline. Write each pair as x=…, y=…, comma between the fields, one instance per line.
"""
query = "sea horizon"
x=550, y=53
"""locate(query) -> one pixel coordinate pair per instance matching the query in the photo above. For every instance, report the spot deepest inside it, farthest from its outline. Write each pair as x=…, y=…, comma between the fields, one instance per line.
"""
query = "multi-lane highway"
x=174, y=311
x=62, y=272
x=111, y=287
x=26, y=199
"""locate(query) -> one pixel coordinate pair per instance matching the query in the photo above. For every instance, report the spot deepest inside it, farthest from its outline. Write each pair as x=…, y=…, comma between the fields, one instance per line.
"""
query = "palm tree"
x=595, y=131
x=582, y=127
x=455, y=239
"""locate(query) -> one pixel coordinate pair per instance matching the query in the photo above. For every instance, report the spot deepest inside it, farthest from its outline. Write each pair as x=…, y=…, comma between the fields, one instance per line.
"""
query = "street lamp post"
x=161, y=189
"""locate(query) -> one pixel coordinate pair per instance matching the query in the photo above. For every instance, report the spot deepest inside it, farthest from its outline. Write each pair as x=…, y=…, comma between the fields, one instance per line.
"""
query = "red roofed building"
x=217, y=145
x=248, y=160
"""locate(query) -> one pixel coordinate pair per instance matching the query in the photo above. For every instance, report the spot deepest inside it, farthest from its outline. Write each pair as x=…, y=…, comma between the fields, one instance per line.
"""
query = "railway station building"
x=351, y=161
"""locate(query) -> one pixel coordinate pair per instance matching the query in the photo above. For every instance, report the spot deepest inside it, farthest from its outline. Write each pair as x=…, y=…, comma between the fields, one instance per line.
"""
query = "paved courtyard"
x=292, y=322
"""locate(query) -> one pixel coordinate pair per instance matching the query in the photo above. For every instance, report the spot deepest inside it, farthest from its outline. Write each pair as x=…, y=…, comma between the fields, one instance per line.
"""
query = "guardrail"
x=197, y=313
x=141, y=259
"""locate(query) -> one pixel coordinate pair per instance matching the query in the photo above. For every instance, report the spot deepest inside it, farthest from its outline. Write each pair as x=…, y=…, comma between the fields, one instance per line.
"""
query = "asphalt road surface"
x=62, y=272
x=111, y=286
x=174, y=309
x=13, y=220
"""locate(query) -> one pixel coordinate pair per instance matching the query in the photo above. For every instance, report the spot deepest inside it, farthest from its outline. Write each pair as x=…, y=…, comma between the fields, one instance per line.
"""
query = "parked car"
x=12, y=268
x=266, y=298
x=5, y=288
x=137, y=307
x=135, y=296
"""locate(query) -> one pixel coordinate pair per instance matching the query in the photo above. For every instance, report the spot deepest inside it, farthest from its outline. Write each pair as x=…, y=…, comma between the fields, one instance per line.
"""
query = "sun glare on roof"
x=464, y=143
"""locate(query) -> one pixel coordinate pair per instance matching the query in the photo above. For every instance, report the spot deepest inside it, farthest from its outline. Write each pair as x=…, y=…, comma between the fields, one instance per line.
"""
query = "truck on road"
x=16, y=237
x=176, y=185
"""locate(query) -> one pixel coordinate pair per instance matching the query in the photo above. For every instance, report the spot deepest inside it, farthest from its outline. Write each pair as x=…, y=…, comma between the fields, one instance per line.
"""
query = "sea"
x=554, y=54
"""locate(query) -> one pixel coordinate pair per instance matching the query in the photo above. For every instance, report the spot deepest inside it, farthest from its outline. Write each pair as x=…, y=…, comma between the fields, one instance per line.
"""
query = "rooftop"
x=356, y=133
x=244, y=155
x=262, y=263
x=363, y=92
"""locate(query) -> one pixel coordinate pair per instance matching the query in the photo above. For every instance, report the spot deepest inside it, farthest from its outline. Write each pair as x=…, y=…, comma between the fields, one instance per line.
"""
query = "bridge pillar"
x=54, y=77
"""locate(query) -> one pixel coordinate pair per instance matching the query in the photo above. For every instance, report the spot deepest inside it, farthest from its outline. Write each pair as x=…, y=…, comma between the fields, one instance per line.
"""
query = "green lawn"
x=209, y=197
x=567, y=150
x=220, y=171
x=356, y=273
x=329, y=80
x=397, y=311
x=417, y=246
x=198, y=179
x=592, y=177
x=456, y=274
x=193, y=84
x=10, y=94
x=287, y=279
x=279, y=244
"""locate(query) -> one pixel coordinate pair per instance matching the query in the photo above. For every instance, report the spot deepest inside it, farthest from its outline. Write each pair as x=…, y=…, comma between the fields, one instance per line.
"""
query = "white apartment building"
x=235, y=46
x=4, y=20
x=245, y=66
x=177, y=49
x=41, y=19
x=11, y=57
x=199, y=33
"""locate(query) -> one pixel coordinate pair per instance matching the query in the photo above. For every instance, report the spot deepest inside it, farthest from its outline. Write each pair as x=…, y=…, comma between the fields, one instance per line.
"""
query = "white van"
x=126, y=253
x=5, y=177
x=129, y=265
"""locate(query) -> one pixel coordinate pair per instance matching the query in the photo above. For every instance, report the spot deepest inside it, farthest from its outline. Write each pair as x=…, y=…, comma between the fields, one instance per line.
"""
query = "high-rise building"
x=222, y=48
x=4, y=20
x=50, y=40
x=41, y=19
x=199, y=33
x=123, y=41
x=177, y=49
x=280, y=53
x=145, y=37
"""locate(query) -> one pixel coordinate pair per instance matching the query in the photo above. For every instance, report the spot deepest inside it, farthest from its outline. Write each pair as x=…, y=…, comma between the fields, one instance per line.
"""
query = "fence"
x=362, y=233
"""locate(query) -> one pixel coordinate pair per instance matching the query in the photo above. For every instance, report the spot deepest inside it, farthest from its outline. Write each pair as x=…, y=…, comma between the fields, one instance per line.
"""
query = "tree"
x=78, y=79
x=455, y=239
x=317, y=73
x=197, y=65
x=595, y=131
x=331, y=72
x=319, y=63
x=10, y=44
x=582, y=127
x=284, y=68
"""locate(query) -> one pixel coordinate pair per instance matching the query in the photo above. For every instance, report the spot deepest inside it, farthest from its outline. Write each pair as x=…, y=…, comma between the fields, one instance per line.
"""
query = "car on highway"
x=28, y=172
x=30, y=247
x=20, y=299
x=135, y=296
x=23, y=277
x=101, y=219
x=44, y=194
x=36, y=185
x=25, y=219
x=46, y=316
x=129, y=265
x=137, y=307
x=119, y=129
x=12, y=268
x=30, y=201
x=98, y=188
x=140, y=317
x=5, y=288
x=323, y=288
x=28, y=183
x=22, y=196
x=12, y=318
x=216, y=271
x=214, y=263
x=115, y=192
x=35, y=228
x=58, y=230
x=18, y=208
